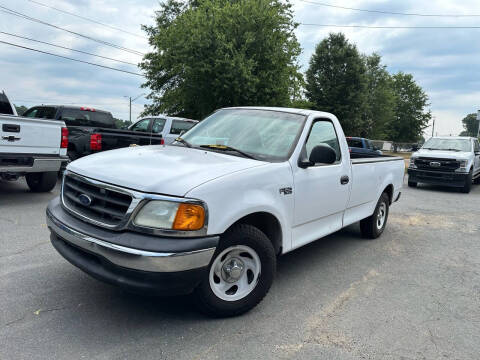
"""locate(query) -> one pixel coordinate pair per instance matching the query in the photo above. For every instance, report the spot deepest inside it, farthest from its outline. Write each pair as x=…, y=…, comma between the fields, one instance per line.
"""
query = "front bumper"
x=452, y=179
x=160, y=265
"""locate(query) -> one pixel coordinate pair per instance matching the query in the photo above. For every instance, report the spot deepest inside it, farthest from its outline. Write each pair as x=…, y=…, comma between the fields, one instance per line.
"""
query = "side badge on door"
x=285, y=190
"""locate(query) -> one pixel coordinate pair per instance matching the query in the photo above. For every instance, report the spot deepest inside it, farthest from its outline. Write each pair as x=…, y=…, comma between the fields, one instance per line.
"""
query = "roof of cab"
x=305, y=112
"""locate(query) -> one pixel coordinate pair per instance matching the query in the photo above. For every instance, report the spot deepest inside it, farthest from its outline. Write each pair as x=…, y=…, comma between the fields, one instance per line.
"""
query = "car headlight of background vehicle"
x=463, y=166
x=171, y=215
x=412, y=163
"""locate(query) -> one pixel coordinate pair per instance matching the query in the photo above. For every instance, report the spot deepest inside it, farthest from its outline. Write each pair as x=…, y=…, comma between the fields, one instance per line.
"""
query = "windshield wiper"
x=228, y=148
x=183, y=141
x=452, y=150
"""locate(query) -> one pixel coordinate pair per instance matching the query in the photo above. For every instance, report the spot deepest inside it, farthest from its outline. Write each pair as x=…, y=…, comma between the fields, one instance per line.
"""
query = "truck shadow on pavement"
x=18, y=192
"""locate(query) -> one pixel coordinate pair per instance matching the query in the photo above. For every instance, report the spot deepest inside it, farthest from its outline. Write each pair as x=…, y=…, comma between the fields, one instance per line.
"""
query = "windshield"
x=448, y=144
x=263, y=134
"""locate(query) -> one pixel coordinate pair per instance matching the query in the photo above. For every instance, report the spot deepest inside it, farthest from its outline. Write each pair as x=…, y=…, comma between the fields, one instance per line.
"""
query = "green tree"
x=336, y=82
x=411, y=116
x=470, y=124
x=215, y=53
x=121, y=124
x=380, y=98
x=20, y=109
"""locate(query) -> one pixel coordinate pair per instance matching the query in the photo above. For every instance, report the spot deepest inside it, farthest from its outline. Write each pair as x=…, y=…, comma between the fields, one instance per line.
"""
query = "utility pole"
x=130, y=100
x=433, y=127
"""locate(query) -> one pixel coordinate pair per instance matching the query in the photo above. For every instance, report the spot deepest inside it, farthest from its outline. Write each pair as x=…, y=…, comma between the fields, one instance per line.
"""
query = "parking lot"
x=414, y=293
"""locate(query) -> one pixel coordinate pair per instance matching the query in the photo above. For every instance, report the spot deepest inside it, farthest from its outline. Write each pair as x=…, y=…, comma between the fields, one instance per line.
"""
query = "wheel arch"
x=389, y=191
x=267, y=223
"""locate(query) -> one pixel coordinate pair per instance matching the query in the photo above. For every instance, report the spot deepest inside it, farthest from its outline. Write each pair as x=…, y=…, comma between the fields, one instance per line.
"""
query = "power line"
x=87, y=19
x=388, y=12
x=390, y=27
x=66, y=48
x=68, y=58
x=21, y=15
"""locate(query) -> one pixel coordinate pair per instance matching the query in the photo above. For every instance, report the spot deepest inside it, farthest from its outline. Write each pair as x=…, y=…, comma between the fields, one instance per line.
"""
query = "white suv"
x=169, y=127
x=449, y=161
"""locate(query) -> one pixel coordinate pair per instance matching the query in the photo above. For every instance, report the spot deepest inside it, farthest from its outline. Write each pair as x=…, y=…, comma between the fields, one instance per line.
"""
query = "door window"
x=142, y=125
x=476, y=146
x=158, y=125
x=178, y=126
x=323, y=133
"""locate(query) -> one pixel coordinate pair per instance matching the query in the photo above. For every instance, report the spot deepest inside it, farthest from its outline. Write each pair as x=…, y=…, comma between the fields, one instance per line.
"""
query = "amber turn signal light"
x=189, y=217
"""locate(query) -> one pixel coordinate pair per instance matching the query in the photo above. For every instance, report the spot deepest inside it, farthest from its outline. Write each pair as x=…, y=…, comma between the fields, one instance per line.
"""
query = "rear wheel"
x=412, y=184
x=468, y=183
x=373, y=226
x=240, y=273
x=41, y=182
x=477, y=180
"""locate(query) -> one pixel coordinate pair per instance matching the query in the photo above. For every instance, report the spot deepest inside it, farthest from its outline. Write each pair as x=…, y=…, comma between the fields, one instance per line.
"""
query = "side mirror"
x=321, y=154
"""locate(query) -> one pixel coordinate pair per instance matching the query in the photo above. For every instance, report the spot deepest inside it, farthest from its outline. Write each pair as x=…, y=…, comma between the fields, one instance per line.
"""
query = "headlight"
x=171, y=215
x=463, y=165
x=412, y=163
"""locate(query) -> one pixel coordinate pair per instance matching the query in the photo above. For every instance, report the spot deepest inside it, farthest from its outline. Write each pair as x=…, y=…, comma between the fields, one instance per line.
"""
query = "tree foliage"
x=336, y=82
x=215, y=53
x=470, y=124
x=380, y=98
x=411, y=116
x=20, y=109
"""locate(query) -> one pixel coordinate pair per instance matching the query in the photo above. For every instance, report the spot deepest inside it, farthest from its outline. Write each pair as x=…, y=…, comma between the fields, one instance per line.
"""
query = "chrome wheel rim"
x=381, y=215
x=235, y=273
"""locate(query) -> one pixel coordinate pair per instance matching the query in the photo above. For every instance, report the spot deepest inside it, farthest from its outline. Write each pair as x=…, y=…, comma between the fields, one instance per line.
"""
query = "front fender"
x=242, y=193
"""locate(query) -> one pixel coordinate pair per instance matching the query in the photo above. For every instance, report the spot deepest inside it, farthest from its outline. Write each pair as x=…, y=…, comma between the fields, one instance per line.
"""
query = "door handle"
x=344, y=180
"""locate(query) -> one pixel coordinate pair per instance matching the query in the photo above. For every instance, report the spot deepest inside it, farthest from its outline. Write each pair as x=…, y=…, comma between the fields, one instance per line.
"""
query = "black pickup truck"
x=91, y=130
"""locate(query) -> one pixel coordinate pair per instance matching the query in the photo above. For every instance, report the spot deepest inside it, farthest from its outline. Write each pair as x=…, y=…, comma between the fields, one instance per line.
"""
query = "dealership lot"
x=413, y=293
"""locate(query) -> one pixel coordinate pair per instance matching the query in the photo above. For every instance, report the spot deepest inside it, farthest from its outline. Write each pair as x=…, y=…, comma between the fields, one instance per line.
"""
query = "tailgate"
x=29, y=135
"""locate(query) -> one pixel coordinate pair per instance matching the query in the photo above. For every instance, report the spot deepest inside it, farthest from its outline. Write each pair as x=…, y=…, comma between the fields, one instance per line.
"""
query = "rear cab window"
x=355, y=143
x=181, y=125
x=87, y=117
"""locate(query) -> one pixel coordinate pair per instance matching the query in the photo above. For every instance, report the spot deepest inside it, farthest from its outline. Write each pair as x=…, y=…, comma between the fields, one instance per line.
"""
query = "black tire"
x=42, y=182
x=412, y=184
x=246, y=235
x=468, y=183
x=369, y=226
x=477, y=180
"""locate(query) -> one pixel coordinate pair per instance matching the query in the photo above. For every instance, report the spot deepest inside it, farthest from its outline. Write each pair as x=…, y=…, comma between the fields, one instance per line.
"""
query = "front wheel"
x=240, y=273
x=412, y=184
x=373, y=226
x=41, y=182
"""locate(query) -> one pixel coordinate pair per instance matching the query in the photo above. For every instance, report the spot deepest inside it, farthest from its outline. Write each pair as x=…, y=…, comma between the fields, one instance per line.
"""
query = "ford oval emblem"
x=85, y=200
x=435, y=164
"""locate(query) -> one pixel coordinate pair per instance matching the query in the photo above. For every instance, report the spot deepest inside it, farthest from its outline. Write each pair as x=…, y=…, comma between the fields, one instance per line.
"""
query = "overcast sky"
x=445, y=62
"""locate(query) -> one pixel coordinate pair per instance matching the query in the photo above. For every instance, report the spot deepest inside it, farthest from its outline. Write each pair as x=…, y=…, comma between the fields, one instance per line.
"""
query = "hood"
x=168, y=170
x=442, y=154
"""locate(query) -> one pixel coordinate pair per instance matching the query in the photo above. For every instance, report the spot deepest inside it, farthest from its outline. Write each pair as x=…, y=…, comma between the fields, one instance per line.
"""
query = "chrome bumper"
x=39, y=165
x=132, y=258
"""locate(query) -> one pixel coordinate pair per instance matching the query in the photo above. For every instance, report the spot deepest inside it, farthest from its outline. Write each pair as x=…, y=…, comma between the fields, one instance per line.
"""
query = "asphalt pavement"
x=414, y=293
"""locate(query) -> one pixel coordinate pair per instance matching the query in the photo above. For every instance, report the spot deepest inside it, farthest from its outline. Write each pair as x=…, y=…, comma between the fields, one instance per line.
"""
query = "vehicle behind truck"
x=32, y=148
x=91, y=130
x=209, y=214
x=447, y=161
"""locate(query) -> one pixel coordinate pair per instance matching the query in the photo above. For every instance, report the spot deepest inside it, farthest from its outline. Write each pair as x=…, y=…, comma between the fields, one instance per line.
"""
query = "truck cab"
x=169, y=127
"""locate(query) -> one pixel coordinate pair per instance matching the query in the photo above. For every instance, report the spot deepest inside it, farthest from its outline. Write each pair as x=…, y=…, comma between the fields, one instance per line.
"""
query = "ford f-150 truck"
x=448, y=161
x=210, y=213
x=31, y=148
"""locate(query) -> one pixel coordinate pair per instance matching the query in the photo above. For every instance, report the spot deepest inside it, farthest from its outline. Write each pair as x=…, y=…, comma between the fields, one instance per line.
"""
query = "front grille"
x=425, y=163
x=106, y=206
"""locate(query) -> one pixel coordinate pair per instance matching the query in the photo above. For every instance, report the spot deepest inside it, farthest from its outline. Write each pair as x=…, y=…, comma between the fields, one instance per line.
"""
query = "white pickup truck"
x=32, y=148
x=449, y=161
x=210, y=213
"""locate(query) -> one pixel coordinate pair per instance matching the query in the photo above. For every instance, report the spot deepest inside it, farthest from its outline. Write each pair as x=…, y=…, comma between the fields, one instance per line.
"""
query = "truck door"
x=321, y=191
